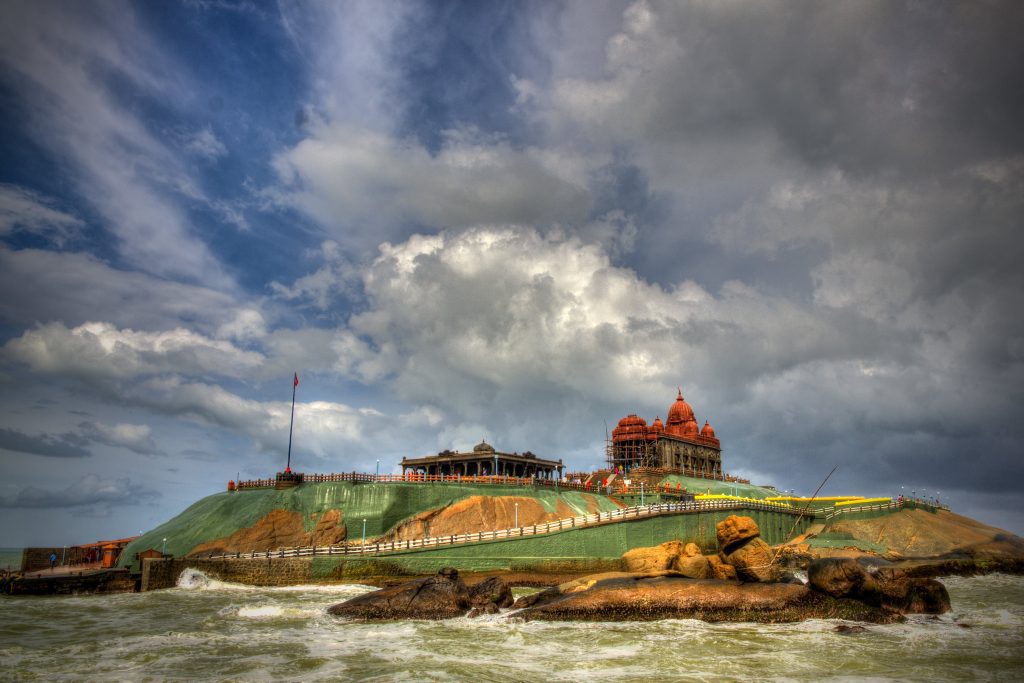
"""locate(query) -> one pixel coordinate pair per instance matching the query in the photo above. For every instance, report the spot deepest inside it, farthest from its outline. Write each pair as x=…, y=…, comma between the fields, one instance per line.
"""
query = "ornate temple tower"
x=680, y=444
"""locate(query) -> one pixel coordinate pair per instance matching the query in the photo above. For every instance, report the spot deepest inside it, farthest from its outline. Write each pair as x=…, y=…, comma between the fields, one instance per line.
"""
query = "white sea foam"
x=212, y=630
x=193, y=579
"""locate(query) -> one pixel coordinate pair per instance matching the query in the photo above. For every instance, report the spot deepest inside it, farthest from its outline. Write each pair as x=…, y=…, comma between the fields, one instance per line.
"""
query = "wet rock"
x=881, y=586
x=849, y=629
x=928, y=596
x=793, y=576
x=443, y=596
x=489, y=608
x=539, y=598
x=623, y=596
x=734, y=531
x=837, y=577
x=491, y=591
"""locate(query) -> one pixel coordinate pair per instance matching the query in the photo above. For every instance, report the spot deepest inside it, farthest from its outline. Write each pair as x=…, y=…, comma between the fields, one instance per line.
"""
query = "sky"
x=513, y=221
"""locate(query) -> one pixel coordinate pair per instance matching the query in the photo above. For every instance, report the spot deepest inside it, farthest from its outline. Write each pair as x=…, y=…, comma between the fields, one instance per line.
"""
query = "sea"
x=205, y=630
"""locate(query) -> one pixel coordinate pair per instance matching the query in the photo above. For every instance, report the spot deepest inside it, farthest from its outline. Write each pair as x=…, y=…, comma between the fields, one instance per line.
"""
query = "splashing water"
x=210, y=630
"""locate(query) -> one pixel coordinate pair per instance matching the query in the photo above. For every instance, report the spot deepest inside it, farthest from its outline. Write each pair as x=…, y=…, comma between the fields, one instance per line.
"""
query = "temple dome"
x=656, y=427
x=707, y=430
x=483, y=447
x=680, y=411
x=630, y=427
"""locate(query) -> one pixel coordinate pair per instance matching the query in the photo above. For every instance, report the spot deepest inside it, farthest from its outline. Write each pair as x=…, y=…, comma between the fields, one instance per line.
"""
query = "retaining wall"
x=382, y=505
x=584, y=549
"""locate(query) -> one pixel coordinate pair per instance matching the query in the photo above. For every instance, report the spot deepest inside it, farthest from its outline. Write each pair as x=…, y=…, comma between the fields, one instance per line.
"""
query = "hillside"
x=921, y=533
x=329, y=513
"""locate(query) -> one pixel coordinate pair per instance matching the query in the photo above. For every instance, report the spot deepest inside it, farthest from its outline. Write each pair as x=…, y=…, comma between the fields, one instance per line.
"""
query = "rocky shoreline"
x=747, y=580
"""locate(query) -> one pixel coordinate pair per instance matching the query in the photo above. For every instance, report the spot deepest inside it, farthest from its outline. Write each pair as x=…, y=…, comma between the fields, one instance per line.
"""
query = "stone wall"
x=684, y=455
x=35, y=559
x=77, y=583
x=291, y=571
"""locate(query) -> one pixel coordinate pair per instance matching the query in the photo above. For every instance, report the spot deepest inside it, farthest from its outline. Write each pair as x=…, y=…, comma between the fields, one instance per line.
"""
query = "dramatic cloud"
x=40, y=286
x=512, y=221
x=89, y=491
x=59, y=446
x=24, y=210
x=374, y=181
x=136, y=438
x=100, y=350
x=62, y=59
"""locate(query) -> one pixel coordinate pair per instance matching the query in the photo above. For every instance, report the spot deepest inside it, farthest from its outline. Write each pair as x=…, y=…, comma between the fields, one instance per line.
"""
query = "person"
x=53, y=560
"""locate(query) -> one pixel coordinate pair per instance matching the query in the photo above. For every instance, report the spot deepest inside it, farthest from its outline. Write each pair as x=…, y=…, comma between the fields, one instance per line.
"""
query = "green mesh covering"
x=382, y=505
x=699, y=485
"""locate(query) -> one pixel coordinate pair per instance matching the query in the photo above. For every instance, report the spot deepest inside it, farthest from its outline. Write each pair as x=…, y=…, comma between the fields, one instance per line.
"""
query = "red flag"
x=296, y=380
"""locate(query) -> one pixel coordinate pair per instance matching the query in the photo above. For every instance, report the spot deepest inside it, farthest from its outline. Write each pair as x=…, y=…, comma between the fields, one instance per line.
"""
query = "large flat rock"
x=632, y=597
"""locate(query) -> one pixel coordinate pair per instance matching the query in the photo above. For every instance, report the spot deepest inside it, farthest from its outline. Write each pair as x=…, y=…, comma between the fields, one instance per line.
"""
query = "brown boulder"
x=720, y=570
x=652, y=559
x=436, y=597
x=838, y=577
x=492, y=591
x=887, y=587
x=928, y=596
x=735, y=530
x=694, y=567
x=754, y=561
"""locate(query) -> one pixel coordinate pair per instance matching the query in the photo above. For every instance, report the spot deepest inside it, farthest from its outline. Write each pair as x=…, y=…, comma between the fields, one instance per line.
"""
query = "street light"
x=378, y=468
x=364, y=531
x=163, y=548
x=641, y=493
x=517, y=515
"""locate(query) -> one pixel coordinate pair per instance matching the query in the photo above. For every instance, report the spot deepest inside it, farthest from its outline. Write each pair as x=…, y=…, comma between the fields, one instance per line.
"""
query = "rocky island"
x=746, y=581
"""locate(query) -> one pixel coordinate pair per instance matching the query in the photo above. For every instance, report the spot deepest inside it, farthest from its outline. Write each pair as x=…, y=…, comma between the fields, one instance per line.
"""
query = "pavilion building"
x=484, y=461
x=678, y=444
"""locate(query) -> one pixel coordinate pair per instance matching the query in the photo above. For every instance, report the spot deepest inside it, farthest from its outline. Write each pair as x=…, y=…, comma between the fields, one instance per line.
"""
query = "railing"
x=598, y=518
x=874, y=507
x=879, y=507
x=414, y=478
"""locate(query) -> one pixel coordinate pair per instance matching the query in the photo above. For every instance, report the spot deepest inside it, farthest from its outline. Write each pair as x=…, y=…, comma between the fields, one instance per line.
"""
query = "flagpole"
x=295, y=384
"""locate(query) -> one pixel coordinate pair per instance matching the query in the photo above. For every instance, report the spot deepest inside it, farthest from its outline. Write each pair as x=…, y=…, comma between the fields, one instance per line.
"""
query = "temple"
x=678, y=444
x=483, y=460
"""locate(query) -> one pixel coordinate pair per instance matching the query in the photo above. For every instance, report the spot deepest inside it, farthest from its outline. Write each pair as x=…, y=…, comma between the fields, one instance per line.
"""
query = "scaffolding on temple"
x=630, y=454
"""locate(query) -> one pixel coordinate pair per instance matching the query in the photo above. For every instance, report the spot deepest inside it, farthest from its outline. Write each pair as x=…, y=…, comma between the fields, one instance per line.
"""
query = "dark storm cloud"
x=867, y=86
x=89, y=491
x=68, y=445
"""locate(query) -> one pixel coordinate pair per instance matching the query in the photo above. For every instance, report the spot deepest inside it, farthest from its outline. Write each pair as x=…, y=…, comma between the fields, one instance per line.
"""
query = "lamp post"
x=641, y=493
x=163, y=548
x=378, y=468
x=517, y=515
x=364, y=531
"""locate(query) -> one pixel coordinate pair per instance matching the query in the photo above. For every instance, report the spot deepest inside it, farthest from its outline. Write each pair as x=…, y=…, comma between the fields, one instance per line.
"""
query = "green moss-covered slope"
x=383, y=506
